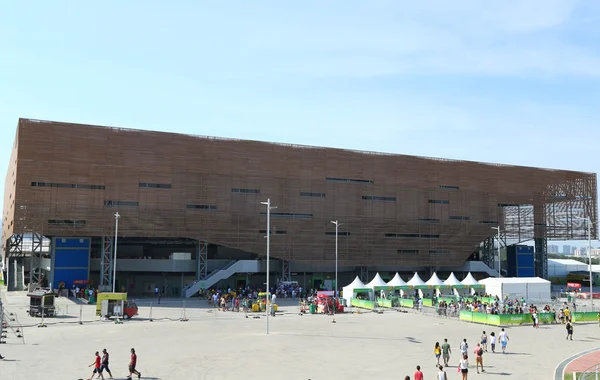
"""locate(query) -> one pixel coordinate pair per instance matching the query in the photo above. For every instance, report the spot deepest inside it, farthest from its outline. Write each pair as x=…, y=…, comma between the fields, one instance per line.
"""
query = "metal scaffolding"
x=286, y=274
x=106, y=260
x=35, y=273
x=363, y=274
x=541, y=257
x=202, y=260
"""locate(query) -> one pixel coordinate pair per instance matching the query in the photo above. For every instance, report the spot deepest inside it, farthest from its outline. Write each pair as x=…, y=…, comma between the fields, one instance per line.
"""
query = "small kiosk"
x=41, y=302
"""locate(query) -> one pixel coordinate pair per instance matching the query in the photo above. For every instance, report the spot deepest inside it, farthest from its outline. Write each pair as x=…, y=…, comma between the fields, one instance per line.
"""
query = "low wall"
x=504, y=319
x=585, y=316
x=363, y=304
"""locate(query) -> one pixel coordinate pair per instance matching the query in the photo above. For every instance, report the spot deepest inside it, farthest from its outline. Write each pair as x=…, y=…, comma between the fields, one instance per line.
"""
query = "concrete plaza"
x=225, y=345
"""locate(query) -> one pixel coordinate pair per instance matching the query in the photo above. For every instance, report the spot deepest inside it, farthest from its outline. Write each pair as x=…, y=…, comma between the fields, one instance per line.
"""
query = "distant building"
x=552, y=248
x=581, y=252
x=567, y=250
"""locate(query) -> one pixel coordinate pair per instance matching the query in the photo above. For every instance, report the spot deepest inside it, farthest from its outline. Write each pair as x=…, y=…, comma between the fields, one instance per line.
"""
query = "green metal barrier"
x=363, y=304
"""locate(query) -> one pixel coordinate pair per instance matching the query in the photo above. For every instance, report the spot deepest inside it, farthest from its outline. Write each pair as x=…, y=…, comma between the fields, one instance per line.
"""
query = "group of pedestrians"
x=443, y=351
x=100, y=365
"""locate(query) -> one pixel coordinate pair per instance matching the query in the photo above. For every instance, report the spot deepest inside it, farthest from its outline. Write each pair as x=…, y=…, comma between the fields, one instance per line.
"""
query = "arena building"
x=190, y=211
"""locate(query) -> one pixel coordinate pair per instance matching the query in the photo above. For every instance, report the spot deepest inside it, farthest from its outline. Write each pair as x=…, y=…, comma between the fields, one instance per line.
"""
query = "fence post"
x=596, y=371
x=80, y=313
x=151, y=311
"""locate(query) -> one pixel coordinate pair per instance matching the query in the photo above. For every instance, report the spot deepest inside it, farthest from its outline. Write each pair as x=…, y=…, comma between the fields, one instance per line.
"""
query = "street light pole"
x=335, y=296
x=499, y=262
x=268, y=204
x=117, y=216
x=589, y=223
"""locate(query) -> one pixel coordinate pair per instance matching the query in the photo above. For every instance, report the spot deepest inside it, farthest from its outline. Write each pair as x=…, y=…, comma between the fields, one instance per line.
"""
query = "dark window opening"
x=376, y=198
x=488, y=222
x=348, y=180
x=67, y=222
x=245, y=191
x=120, y=203
x=459, y=217
x=426, y=236
x=288, y=215
x=439, y=201
x=68, y=185
x=439, y=252
x=201, y=207
x=155, y=185
x=449, y=187
x=507, y=205
x=309, y=194
x=429, y=220
x=276, y=232
x=340, y=233
x=408, y=251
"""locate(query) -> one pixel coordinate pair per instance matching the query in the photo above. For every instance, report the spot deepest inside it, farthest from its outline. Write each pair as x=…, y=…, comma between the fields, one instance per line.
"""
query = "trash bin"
x=313, y=308
x=92, y=300
x=569, y=298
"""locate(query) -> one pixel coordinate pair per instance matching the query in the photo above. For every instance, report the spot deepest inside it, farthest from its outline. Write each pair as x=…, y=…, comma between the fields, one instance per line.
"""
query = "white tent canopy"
x=396, y=281
x=452, y=280
x=415, y=280
x=470, y=280
x=434, y=280
x=376, y=282
x=533, y=289
x=349, y=291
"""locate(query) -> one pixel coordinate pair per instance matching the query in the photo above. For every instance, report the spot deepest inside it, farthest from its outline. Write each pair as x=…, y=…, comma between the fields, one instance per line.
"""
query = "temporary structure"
x=377, y=284
x=397, y=282
x=434, y=280
x=452, y=281
x=356, y=286
x=415, y=281
x=533, y=289
x=470, y=281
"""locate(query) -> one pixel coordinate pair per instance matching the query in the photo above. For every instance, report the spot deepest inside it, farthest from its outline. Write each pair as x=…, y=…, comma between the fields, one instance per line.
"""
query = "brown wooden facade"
x=68, y=180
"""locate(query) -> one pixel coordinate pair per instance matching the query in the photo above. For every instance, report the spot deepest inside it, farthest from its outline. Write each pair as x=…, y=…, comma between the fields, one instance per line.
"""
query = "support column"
x=106, y=261
x=541, y=243
x=13, y=251
x=364, y=274
x=35, y=271
x=487, y=252
x=286, y=274
x=201, y=260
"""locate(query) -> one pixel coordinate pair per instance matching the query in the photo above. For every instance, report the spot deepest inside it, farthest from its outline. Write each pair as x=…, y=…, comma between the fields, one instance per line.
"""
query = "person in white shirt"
x=503, y=340
x=464, y=347
x=273, y=299
x=493, y=341
x=441, y=374
x=463, y=366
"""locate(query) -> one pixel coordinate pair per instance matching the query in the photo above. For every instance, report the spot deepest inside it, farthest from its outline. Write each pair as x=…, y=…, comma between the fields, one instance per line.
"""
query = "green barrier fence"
x=364, y=304
x=427, y=302
x=503, y=319
x=587, y=316
x=384, y=302
x=405, y=302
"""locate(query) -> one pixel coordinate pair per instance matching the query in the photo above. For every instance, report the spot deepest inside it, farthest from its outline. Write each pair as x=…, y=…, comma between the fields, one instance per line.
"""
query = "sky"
x=515, y=82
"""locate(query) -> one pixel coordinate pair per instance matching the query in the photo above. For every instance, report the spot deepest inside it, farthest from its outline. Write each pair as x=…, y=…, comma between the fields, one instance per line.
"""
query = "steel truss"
x=106, y=260
x=364, y=274
x=286, y=274
x=14, y=246
x=541, y=257
x=201, y=260
x=35, y=272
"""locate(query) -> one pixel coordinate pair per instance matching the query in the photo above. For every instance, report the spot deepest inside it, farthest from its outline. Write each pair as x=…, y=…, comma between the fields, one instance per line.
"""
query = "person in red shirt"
x=97, y=367
x=418, y=374
x=132, y=364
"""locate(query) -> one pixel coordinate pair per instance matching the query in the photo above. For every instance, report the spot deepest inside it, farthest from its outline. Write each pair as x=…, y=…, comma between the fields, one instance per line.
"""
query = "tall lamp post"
x=117, y=216
x=269, y=208
x=499, y=262
x=589, y=228
x=337, y=226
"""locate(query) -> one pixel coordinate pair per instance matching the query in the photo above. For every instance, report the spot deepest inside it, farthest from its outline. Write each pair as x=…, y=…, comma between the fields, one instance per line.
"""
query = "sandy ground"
x=226, y=345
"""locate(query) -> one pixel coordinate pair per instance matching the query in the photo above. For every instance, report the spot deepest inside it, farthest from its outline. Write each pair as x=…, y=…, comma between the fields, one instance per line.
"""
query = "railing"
x=592, y=373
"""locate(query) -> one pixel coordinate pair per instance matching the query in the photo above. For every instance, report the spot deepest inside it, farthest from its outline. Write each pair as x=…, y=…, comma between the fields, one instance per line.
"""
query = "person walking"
x=464, y=347
x=503, y=340
x=132, y=364
x=437, y=351
x=493, y=341
x=418, y=374
x=463, y=366
x=441, y=374
x=97, y=367
x=569, y=331
x=104, y=366
x=479, y=358
x=446, y=351
x=484, y=341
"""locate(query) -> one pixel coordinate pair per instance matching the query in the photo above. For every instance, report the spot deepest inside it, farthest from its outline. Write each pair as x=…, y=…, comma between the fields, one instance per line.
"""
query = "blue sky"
x=501, y=81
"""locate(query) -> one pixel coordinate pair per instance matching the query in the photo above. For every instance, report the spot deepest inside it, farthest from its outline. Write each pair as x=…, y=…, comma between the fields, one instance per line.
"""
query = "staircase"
x=240, y=266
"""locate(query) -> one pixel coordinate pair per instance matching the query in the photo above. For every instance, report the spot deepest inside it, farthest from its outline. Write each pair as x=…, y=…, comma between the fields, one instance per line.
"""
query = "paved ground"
x=225, y=345
x=584, y=363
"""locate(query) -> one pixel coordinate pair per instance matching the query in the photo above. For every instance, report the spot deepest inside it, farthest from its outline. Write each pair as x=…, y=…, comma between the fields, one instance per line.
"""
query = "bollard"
x=184, y=317
x=151, y=320
x=80, y=314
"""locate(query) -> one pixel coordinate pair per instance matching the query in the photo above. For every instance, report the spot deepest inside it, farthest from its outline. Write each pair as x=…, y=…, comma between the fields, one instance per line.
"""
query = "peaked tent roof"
x=415, y=280
x=396, y=281
x=434, y=280
x=452, y=280
x=470, y=280
x=377, y=282
x=356, y=284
